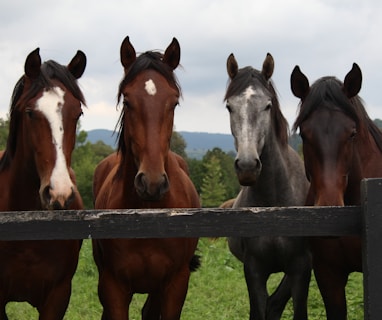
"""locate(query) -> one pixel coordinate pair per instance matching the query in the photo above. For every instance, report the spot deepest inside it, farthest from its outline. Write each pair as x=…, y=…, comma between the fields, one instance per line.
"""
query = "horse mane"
x=146, y=61
x=49, y=71
x=327, y=92
x=250, y=76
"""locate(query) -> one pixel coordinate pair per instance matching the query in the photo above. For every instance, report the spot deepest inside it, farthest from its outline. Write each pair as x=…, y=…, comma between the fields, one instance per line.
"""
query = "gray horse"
x=272, y=174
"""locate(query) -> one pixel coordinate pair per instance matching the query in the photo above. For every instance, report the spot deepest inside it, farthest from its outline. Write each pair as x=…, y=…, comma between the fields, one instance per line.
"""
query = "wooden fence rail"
x=364, y=220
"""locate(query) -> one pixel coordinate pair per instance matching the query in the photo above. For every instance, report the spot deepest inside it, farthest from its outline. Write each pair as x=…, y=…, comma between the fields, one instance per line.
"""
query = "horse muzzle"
x=247, y=171
x=53, y=200
x=151, y=188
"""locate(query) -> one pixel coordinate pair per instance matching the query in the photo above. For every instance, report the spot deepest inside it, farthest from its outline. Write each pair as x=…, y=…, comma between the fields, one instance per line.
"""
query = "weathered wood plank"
x=372, y=246
x=160, y=223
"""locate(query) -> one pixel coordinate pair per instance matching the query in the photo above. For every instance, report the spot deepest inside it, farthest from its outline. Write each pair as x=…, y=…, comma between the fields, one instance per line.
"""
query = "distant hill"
x=106, y=136
x=198, y=143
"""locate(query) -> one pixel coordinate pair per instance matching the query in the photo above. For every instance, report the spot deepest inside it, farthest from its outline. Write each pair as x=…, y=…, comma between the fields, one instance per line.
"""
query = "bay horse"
x=35, y=174
x=341, y=146
x=145, y=173
x=271, y=174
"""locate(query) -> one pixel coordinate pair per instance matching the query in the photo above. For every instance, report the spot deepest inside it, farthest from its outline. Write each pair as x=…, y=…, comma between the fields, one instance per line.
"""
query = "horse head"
x=46, y=106
x=330, y=123
x=253, y=108
x=150, y=94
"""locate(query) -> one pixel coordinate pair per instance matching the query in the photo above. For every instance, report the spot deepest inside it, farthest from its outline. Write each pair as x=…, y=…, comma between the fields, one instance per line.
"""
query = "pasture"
x=216, y=291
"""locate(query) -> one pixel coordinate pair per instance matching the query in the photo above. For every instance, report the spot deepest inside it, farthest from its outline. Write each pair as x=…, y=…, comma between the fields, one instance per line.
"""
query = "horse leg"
x=56, y=302
x=115, y=298
x=151, y=309
x=174, y=295
x=277, y=301
x=300, y=291
x=3, y=315
x=332, y=287
x=257, y=289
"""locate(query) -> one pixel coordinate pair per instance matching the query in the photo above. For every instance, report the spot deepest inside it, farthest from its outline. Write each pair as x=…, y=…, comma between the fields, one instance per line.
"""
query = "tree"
x=178, y=144
x=226, y=162
x=4, y=129
x=85, y=158
x=213, y=192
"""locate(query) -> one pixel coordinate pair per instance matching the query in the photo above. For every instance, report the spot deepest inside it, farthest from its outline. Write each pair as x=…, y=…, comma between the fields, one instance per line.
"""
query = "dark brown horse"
x=35, y=174
x=145, y=174
x=341, y=146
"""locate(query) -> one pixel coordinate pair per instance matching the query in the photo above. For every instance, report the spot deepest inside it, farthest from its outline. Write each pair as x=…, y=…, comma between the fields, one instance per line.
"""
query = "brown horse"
x=35, y=174
x=145, y=174
x=341, y=146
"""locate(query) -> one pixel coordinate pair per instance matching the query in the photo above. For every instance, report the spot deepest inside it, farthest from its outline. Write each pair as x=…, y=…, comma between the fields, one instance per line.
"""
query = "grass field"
x=217, y=291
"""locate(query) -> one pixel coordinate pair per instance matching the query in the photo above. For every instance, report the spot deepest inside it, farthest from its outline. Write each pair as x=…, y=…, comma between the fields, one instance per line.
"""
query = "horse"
x=35, y=174
x=271, y=174
x=341, y=146
x=145, y=173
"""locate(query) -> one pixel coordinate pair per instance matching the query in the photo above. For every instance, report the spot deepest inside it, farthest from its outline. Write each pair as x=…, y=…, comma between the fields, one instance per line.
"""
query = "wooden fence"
x=364, y=220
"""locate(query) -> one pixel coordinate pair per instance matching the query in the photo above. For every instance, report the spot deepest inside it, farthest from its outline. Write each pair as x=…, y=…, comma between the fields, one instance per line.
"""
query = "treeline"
x=214, y=176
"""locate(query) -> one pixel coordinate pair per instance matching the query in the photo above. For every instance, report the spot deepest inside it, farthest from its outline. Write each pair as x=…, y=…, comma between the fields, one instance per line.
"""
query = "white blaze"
x=150, y=87
x=245, y=125
x=50, y=105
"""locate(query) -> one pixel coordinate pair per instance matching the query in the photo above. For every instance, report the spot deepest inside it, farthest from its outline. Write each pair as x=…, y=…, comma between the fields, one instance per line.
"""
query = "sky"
x=323, y=37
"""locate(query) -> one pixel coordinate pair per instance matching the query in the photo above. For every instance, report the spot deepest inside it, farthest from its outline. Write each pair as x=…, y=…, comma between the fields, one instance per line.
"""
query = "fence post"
x=372, y=247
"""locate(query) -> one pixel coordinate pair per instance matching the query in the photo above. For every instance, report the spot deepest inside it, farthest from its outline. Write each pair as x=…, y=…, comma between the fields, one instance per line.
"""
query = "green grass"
x=216, y=291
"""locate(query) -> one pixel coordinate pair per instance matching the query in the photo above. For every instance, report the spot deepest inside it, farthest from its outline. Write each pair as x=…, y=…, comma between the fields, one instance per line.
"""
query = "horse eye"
x=268, y=107
x=126, y=104
x=353, y=133
x=29, y=112
x=80, y=115
x=228, y=108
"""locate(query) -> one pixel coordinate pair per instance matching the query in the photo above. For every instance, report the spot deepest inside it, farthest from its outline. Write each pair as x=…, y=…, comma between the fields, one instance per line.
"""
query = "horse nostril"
x=140, y=182
x=165, y=185
x=236, y=164
x=258, y=164
x=46, y=194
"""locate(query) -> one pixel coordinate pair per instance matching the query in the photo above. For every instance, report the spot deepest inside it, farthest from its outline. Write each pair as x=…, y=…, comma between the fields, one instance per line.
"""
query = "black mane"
x=250, y=76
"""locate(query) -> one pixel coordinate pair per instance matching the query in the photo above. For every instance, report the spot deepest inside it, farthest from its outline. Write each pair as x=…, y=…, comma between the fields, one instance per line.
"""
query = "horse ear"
x=232, y=66
x=353, y=81
x=33, y=64
x=128, y=54
x=299, y=83
x=172, y=54
x=78, y=64
x=268, y=66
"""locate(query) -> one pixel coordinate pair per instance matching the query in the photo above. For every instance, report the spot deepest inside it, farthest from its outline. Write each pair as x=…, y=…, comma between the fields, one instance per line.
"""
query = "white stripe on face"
x=150, y=87
x=50, y=105
x=246, y=132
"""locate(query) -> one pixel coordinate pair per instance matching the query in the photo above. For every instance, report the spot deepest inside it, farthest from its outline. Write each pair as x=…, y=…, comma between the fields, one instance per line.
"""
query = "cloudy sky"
x=323, y=37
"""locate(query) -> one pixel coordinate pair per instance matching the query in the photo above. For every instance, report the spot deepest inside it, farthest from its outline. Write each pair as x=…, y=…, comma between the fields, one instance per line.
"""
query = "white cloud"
x=324, y=37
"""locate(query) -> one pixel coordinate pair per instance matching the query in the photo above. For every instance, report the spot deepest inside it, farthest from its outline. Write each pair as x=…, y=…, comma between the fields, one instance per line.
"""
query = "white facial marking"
x=150, y=87
x=50, y=105
x=245, y=128
x=248, y=121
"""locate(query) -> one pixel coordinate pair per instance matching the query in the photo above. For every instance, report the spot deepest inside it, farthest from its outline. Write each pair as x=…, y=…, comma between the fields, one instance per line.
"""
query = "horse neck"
x=370, y=157
x=274, y=185
x=366, y=163
x=22, y=188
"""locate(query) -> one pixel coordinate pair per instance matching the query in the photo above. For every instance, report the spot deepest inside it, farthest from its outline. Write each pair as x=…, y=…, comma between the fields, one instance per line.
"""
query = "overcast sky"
x=323, y=37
